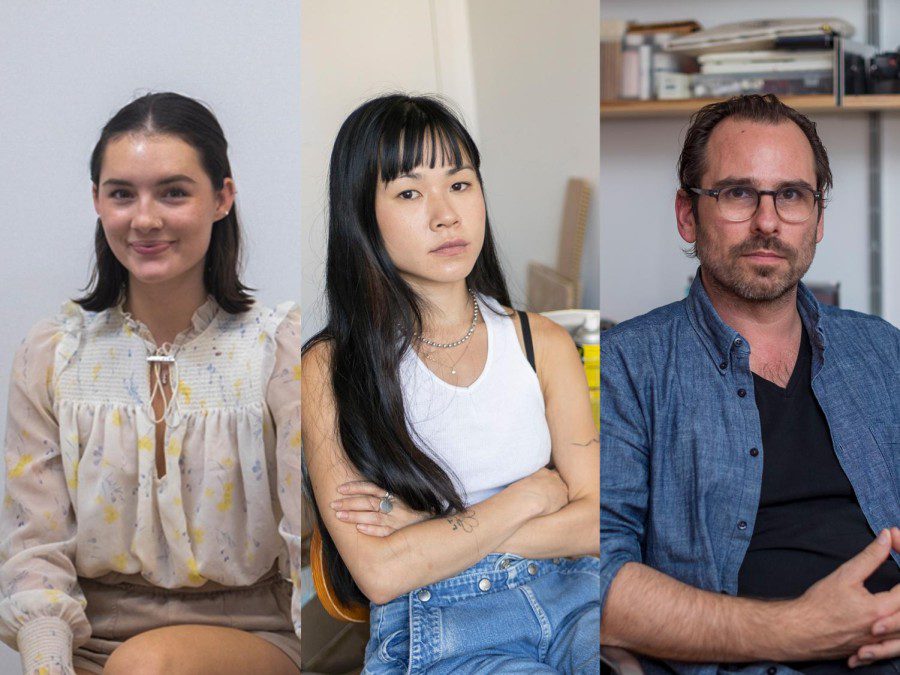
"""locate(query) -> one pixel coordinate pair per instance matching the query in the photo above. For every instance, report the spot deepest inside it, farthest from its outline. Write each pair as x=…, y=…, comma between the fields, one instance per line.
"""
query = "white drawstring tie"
x=164, y=355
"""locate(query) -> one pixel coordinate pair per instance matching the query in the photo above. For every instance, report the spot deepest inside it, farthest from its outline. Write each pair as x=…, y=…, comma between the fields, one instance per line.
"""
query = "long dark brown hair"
x=373, y=313
x=194, y=123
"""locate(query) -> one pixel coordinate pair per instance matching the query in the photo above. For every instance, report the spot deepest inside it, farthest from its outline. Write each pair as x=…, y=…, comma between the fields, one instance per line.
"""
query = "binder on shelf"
x=612, y=32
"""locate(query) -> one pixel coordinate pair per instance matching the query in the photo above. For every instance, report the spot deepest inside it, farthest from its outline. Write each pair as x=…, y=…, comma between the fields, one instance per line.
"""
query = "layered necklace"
x=449, y=345
x=455, y=343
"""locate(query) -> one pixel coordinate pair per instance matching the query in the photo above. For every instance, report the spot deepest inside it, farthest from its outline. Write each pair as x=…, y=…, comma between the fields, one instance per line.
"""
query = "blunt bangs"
x=421, y=134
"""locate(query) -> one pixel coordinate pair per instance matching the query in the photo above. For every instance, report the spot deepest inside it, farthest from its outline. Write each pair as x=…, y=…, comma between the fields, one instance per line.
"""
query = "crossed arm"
x=574, y=529
x=543, y=515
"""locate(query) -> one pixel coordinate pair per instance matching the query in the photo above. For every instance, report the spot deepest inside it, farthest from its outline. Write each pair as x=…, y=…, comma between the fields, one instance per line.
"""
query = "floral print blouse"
x=83, y=495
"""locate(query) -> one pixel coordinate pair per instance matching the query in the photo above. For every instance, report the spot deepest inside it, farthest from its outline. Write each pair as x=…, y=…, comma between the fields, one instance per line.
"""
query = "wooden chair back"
x=352, y=613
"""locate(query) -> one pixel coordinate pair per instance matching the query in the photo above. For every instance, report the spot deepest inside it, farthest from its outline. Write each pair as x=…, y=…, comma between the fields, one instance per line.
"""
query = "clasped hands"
x=838, y=616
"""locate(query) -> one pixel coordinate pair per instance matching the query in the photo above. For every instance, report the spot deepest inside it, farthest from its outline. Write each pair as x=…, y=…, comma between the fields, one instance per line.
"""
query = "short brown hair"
x=767, y=109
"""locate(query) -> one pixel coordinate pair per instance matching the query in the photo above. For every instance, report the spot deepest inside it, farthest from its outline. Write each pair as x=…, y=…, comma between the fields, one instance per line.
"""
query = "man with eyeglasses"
x=750, y=437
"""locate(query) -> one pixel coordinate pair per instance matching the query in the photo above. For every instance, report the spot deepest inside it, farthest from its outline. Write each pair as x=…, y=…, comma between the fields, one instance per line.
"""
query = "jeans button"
x=532, y=569
x=504, y=563
x=484, y=584
x=424, y=595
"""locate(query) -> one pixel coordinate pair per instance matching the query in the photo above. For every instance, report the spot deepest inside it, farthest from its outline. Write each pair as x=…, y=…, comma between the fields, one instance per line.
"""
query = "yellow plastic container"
x=590, y=356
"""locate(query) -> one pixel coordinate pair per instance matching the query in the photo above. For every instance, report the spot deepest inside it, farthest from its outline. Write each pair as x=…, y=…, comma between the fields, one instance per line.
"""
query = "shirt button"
x=424, y=595
x=771, y=670
x=754, y=452
x=723, y=365
x=532, y=569
x=738, y=342
x=742, y=393
x=484, y=584
x=742, y=524
x=504, y=563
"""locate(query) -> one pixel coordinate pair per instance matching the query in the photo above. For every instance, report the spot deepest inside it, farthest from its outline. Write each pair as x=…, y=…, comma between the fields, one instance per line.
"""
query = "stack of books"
x=776, y=71
x=771, y=56
x=679, y=60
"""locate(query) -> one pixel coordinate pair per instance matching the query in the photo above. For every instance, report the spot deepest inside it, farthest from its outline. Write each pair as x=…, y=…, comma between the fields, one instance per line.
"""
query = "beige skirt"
x=122, y=606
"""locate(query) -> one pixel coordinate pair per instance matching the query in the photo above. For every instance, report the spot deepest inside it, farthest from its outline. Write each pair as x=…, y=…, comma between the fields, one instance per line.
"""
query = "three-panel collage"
x=450, y=336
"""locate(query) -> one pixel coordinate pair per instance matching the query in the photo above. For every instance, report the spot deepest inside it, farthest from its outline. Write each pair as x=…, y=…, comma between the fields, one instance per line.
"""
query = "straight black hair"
x=195, y=124
x=373, y=313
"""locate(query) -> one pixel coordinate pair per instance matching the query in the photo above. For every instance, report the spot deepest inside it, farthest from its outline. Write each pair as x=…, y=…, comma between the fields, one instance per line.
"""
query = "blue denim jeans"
x=505, y=614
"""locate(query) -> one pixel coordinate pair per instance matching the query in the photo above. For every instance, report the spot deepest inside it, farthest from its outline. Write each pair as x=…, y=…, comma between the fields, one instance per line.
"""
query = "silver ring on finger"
x=386, y=505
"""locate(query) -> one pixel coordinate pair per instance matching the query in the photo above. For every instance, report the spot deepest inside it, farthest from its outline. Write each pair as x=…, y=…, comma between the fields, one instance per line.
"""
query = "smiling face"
x=432, y=221
x=157, y=206
x=764, y=257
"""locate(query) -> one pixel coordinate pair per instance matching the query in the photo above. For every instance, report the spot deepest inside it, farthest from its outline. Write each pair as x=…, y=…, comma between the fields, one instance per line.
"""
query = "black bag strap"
x=526, y=338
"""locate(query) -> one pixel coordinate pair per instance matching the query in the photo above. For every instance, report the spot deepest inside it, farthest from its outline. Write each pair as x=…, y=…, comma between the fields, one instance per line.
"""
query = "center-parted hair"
x=191, y=121
x=373, y=314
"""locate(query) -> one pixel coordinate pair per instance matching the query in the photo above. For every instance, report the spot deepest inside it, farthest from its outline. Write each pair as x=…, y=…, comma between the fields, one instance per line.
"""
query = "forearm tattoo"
x=465, y=521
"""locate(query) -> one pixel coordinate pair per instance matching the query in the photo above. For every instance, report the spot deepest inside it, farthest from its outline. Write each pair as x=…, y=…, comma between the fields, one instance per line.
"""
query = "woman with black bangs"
x=152, y=512
x=430, y=410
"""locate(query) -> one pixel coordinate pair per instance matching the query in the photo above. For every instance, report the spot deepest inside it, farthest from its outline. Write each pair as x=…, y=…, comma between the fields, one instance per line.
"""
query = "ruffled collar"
x=201, y=319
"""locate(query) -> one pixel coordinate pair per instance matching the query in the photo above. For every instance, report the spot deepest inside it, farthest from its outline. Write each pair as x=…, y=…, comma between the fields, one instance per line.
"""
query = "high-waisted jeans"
x=505, y=614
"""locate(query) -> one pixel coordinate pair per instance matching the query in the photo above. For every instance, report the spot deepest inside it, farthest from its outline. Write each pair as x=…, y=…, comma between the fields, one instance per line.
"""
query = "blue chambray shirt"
x=679, y=486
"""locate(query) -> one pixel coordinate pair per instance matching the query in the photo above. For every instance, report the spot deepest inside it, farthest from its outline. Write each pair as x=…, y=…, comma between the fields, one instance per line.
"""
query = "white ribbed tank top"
x=486, y=435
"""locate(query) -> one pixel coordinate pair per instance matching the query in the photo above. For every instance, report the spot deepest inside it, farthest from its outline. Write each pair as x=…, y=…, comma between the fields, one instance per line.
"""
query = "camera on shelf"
x=884, y=73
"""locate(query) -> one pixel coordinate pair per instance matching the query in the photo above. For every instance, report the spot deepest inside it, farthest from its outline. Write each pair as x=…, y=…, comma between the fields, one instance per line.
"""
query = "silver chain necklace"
x=448, y=345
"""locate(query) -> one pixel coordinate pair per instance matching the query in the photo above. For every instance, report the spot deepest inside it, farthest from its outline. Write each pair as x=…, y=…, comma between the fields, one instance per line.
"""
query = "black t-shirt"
x=809, y=520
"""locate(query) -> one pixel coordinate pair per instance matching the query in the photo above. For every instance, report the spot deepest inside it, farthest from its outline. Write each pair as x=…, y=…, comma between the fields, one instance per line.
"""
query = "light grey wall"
x=537, y=87
x=65, y=68
x=642, y=266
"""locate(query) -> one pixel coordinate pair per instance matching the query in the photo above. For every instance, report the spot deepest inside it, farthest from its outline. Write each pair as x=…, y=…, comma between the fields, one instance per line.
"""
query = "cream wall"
x=536, y=72
x=353, y=50
x=524, y=76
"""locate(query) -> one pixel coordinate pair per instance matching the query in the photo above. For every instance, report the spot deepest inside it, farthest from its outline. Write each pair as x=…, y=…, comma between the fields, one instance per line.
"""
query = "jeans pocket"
x=394, y=649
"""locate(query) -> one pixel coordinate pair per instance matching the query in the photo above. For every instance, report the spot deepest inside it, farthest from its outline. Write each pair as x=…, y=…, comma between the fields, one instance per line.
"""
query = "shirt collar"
x=722, y=341
x=202, y=317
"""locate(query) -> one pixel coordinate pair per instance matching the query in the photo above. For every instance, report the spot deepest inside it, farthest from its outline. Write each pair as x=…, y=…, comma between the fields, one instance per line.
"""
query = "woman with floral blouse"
x=152, y=446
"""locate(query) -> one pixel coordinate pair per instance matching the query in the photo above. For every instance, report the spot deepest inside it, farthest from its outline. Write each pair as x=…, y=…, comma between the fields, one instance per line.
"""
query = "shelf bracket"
x=876, y=165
